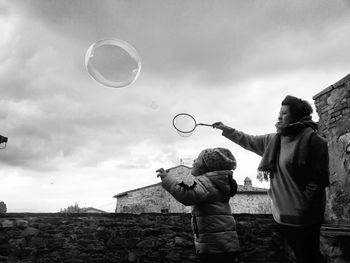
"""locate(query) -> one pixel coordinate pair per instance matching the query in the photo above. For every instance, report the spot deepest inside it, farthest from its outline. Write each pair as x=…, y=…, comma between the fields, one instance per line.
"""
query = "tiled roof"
x=92, y=209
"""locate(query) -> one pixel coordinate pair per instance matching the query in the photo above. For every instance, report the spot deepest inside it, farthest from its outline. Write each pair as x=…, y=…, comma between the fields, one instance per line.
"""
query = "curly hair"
x=299, y=108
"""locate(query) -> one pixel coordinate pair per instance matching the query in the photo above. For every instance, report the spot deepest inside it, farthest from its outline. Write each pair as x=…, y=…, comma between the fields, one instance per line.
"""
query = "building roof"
x=137, y=189
x=242, y=189
x=92, y=210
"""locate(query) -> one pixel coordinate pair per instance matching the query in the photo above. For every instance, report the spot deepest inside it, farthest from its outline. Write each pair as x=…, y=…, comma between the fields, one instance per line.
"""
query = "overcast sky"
x=72, y=140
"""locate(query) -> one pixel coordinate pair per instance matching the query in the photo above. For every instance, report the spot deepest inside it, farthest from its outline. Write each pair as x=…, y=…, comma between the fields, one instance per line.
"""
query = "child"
x=213, y=225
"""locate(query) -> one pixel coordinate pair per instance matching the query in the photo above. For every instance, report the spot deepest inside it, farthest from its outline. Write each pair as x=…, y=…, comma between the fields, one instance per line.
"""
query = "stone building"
x=154, y=199
x=333, y=108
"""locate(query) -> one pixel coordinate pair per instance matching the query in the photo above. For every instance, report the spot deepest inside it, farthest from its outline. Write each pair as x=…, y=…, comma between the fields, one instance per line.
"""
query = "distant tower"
x=248, y=182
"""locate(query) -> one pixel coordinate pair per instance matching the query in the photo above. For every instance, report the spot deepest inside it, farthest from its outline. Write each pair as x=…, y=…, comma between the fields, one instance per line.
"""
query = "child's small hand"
x=162, y=173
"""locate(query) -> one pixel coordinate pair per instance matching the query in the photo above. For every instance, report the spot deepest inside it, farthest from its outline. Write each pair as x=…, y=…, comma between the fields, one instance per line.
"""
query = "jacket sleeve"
x=256, y=144
x=186, y=194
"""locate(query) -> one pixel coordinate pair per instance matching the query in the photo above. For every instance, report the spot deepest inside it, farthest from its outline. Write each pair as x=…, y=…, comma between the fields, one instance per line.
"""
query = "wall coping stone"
x=331, y=87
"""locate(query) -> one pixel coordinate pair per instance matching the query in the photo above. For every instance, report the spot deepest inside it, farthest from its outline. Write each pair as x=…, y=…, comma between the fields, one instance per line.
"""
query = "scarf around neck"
x=268, y=162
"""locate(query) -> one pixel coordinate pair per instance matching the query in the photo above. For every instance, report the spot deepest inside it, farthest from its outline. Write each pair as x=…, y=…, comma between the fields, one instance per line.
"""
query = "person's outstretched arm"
x=185, y=194
x=256, y=144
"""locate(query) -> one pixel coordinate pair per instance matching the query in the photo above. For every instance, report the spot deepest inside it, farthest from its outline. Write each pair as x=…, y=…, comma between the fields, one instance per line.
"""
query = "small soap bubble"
x=183, y=134
x=113, y=63
x=154, y=105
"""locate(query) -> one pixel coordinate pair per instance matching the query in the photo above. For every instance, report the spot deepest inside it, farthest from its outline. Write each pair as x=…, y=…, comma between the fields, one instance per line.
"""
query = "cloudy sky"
x=72, y=140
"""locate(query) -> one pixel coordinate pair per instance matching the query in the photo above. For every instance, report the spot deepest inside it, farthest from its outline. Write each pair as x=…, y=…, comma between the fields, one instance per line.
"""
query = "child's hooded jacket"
x=213, y=225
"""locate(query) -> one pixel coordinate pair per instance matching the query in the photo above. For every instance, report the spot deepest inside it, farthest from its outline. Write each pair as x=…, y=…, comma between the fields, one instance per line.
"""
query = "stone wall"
x=333, y=108
x=110, y=238
x=251, y=203
x=107, y=238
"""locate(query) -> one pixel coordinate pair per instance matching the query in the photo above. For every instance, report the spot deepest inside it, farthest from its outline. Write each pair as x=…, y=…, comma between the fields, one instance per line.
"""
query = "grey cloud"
x=66, y=131
x=128, y=166
x=186, y=42
x=190, y=40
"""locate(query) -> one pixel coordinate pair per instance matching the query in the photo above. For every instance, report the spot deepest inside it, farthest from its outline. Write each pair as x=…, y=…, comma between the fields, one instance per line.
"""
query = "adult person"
x=213, y=225
x=295, y=161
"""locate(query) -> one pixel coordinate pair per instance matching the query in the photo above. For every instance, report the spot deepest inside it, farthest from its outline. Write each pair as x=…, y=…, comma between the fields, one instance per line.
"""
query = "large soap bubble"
x=113, y=63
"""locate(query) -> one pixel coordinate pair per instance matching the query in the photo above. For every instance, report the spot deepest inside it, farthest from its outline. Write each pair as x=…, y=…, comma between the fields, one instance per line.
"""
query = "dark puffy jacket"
x=213, y=225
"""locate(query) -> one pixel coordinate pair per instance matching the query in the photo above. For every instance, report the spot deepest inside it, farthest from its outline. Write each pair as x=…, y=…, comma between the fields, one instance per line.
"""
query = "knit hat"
x=217, y=159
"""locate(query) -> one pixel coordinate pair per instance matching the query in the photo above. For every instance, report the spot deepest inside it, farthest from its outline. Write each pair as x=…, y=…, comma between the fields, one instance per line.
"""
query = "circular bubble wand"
x=185, y=123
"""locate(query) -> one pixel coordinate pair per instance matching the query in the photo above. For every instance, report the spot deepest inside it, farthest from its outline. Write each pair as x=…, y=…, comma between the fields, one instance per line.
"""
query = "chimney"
x=248, y=182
